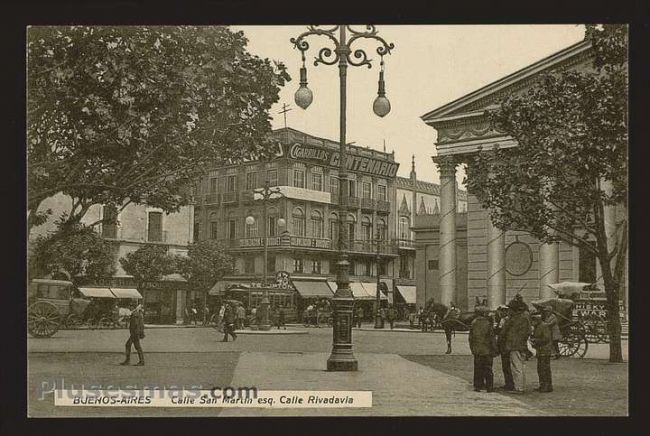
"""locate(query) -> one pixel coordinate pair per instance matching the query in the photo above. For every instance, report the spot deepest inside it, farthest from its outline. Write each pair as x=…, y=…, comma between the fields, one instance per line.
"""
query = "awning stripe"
x=126, y=293
x=97, y=292
x=310, y=289
x=408, y=293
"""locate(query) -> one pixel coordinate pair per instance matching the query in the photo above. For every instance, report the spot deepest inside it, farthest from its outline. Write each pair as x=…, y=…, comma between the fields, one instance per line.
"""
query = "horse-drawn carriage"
x=55, y=304
x=573, y=331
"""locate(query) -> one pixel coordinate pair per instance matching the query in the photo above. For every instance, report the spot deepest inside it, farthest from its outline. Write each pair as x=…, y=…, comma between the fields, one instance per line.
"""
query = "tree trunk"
x=611, y=288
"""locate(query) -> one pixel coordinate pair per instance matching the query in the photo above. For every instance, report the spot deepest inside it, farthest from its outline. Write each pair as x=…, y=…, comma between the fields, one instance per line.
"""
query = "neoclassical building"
x=494, y=264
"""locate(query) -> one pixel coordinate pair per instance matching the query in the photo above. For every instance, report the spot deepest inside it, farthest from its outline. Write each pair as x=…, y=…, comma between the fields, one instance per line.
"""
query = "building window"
x=270, y=264
x=213, y=185
x=381, y=192
x=382, y=268
x=231, y=183
x=297, y=265
x=366, y=190
x=155, y=227
x=367, y=268
x=404, y=267
x=334, y=185
x=109, y=224
x=273, y=226
x=251, y=181
x=381, y=228
x=366, y=226
x=196, y=232
x=351, y=224
x=214, y=226
x=232, y=229
x=249, y=265
x=352, y=188
x=316, y=266
x=250, y=229
x=404, y=228
x=433, y=264
x=298, y=222
x=299, y=178
x=272, y=177
x=316, y=224
x=334, y=229
x=317, y=182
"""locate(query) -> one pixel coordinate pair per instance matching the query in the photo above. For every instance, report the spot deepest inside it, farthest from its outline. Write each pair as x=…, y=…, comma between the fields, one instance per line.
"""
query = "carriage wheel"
x=573, y=344
x=43, y=319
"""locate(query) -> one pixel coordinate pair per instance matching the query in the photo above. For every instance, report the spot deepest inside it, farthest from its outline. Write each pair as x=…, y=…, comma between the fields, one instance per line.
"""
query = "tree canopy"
x=205, y=264
x=148, y=264
x=570, y=162
x=135, y=114
x=76, y=249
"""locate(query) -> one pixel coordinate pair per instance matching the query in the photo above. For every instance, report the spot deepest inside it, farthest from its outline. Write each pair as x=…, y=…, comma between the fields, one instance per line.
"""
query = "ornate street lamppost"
x=342, y=358
x=267, y=194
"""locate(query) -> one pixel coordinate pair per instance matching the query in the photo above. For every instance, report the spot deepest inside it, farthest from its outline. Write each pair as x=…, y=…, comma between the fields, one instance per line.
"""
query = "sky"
x=429, y=67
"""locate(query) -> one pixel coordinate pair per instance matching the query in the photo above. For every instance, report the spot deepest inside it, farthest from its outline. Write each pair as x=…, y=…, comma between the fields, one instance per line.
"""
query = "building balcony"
x=281, y=241
x=159, y=237
x=352, y=202
x=368, y=204
x=383, y=206
x=406, y=244
x=370, y=247
x=229, y=197
x=211, y=199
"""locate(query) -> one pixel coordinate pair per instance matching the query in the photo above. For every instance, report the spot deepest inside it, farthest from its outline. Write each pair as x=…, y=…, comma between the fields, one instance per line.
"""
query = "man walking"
x=516, y=343
x=241, y=317
x=482, y=343
x=542, y=341
x=229, y=323
x=503, y=318
x=136, y=332
x=550, y=319
x=391, y=315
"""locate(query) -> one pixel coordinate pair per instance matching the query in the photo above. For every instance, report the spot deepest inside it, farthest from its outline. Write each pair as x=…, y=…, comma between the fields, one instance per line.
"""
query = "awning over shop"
x=407, y=293
x=97, y=292
x=312, y=289
x=126, y=293
x=219, y=288
x=362, y=291
x=371, y=290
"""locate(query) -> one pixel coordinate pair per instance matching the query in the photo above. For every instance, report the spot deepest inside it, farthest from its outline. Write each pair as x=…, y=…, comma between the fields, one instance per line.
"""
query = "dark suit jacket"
x=136, y=324
x=482, y=341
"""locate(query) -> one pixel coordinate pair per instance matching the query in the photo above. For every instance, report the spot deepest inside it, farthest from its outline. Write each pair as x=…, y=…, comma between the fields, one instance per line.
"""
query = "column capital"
x=446, y=164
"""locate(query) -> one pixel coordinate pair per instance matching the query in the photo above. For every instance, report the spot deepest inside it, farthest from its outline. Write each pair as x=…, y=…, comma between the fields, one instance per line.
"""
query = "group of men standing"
x=509, y=339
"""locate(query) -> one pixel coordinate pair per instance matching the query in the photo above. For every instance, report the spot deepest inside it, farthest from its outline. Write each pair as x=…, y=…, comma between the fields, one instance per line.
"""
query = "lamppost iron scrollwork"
x=342, y=358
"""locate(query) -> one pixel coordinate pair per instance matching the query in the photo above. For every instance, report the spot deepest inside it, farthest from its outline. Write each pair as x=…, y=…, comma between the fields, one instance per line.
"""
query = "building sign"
x=362, y=164
x=297, y=241
x=590, y=308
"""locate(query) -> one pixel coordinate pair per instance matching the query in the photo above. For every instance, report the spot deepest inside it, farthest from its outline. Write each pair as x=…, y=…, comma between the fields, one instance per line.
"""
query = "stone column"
x=447, y=259
x=496, y=279
x=549, y=268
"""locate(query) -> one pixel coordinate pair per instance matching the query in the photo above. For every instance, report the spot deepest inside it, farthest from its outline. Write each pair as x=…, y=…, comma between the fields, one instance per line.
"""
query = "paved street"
x=407, y=372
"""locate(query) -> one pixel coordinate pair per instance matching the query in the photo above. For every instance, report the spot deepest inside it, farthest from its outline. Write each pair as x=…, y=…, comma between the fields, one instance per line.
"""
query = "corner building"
x=305, y=169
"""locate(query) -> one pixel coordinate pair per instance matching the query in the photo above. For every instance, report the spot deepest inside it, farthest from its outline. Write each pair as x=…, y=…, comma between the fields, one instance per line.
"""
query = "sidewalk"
x=399, y=387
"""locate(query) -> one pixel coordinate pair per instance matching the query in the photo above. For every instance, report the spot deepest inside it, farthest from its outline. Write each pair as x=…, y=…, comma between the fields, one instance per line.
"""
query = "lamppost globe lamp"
x=282, y=223
x=381, y=106
x=303, y=96
x=250, y=220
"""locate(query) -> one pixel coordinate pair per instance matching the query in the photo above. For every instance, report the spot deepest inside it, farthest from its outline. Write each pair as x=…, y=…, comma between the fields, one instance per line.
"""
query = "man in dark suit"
x=229, y=323
x=136, y=332
x=482, y=343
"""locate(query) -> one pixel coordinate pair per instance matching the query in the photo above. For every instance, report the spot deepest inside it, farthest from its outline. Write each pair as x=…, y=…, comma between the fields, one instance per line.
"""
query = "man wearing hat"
x=482, y=343
x=516, y=334
x=543, y=344
x=136, y=332
x=503, y=317
x=549, y=318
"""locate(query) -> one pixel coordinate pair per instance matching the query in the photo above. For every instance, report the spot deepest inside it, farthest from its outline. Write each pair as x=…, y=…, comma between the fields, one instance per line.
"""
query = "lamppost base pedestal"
x=378, y=322
x=341, y=363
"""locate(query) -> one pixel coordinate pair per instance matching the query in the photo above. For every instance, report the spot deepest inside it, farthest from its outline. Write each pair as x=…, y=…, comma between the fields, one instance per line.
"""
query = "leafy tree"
x=76, y=249
x=135, y=114
x=205, y=264
x=148, y=264
x=570, y=164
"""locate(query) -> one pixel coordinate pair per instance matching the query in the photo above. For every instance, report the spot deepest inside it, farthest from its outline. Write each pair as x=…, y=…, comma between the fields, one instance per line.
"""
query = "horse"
x=450, y=320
